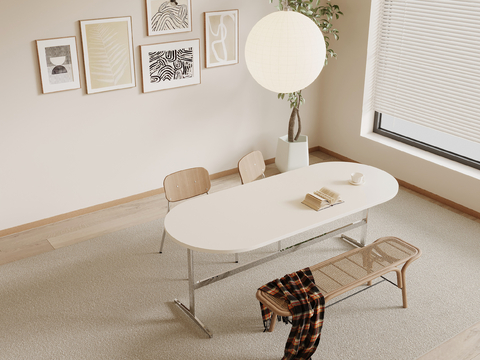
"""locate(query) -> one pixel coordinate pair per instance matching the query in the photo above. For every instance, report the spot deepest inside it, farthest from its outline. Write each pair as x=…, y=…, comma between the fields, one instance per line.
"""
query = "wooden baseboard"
x=91, y=209
x=440, y=199
x=72, y=214
x=335, y=155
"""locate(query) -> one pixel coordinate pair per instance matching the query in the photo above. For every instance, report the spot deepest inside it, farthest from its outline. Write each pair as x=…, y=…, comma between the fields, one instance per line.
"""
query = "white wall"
x=66, y=151
x=342, y=111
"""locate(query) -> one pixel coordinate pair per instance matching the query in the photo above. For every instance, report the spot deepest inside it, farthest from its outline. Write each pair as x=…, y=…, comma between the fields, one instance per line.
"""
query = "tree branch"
x=291, y=124
x=299, y=125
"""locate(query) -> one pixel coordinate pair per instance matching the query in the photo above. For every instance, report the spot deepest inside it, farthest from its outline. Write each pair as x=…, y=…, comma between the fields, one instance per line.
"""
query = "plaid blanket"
x=307, y=305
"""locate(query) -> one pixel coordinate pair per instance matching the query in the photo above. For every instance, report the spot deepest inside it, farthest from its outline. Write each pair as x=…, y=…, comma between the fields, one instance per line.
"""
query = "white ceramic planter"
x=291, y=156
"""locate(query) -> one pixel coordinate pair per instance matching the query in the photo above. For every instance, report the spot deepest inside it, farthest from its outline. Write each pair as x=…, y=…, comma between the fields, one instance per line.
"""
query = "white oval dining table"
x=266, y=211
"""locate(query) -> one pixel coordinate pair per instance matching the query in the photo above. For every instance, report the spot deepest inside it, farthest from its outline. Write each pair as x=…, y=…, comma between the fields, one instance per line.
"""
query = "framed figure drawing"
x=108, y=54
x=170, y=65
x=58, y=63
x=221, y=38
x=168, y=16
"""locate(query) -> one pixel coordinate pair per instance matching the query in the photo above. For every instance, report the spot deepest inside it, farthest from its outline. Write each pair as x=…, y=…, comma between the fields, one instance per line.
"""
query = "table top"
x=250, y=216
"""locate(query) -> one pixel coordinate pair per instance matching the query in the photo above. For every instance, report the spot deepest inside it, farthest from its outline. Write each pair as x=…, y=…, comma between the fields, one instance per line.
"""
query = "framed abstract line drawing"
x=108, y=54
x=58, y=63
x=170, y=65
x=168, y=16
x=221, y=38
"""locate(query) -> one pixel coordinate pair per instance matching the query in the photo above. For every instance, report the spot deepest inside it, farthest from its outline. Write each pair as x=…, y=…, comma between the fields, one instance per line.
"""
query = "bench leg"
x=404, y=289
x=403, y=275
x=273, y=322
x=404, y=293
x=399, y=279
x=401, y=284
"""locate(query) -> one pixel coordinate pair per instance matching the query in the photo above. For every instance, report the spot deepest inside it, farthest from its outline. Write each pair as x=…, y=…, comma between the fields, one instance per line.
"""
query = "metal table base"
x=194, y=285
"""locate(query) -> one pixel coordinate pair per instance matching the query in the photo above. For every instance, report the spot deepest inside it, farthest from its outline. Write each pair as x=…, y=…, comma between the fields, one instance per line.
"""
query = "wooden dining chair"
x=251, y=167
x=183, y=185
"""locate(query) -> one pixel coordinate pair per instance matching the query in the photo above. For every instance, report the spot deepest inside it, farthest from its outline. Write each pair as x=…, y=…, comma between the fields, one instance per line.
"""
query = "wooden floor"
x=71, y=231
x=465, y=346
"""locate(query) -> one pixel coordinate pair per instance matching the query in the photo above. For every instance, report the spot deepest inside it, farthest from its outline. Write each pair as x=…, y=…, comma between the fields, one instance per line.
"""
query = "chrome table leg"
x=191, y=292
x=363, y=235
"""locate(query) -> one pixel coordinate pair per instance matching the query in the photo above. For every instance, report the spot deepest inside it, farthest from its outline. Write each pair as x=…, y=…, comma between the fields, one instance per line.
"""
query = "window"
x=427, y=76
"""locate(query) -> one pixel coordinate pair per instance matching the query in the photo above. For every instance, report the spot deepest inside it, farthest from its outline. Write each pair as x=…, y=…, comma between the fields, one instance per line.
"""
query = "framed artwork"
x=58, y=63
x=221, y=38
x=168, y=16
x=170, y=65
x=108, y=54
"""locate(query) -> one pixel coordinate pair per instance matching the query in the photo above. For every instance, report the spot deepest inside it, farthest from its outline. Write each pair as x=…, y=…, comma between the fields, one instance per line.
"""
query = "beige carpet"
x=112, y=297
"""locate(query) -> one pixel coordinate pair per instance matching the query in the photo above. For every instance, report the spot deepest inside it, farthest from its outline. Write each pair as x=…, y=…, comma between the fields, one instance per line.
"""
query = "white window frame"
x=375, y=38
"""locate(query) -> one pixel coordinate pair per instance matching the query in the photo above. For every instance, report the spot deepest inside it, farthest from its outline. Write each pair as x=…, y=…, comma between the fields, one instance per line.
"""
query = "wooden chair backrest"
x=251, y=166
x=186, y=183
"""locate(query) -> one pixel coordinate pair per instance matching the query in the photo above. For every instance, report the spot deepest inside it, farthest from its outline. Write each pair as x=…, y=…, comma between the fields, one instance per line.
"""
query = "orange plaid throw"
x=307, y=305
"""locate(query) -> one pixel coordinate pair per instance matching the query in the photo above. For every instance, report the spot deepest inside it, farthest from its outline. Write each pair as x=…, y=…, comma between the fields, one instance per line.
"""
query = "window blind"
x=428, y=64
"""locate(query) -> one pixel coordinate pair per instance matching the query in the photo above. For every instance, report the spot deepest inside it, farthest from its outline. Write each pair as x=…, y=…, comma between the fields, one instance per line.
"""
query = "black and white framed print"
x=108, y=54
x=168, y=16
x=221, y=38
x=58, y=63
x=170, y=65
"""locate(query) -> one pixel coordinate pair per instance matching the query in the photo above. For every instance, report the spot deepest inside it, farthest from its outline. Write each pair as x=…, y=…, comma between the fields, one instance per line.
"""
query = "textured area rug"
x=112, y=297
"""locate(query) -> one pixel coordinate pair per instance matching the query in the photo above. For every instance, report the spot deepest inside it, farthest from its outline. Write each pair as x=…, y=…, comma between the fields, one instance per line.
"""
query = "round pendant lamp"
x=285, y=51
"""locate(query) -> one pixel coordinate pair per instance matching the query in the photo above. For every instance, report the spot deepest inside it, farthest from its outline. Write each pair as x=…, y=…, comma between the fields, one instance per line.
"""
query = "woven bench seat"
x=351, y=269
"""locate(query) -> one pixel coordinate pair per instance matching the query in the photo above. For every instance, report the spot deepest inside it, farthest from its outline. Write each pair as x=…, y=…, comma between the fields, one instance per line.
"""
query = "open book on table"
x=322, y=199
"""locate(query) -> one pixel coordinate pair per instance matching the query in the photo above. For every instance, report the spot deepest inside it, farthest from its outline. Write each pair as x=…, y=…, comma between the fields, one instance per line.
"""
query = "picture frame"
x=168, y=16
x=170, y=65
x=58, y=63
x=221, y=38
x=108, y=54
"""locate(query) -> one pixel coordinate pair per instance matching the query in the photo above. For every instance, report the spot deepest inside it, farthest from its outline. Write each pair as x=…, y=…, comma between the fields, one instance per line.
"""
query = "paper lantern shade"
x=285, y=51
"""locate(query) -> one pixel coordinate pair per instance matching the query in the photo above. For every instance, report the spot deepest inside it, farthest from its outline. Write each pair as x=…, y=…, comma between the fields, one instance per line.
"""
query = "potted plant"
x=292, y=149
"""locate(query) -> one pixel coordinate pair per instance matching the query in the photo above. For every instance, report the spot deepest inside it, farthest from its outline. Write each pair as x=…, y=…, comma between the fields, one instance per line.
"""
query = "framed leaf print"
x=170, y=65
x=168, y=16
x=58, y=63
x=108, y=54
x=221, y=38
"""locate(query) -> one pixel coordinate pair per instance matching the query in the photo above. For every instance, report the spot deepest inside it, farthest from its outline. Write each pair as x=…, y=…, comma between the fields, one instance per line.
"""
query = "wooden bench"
x=351, y=269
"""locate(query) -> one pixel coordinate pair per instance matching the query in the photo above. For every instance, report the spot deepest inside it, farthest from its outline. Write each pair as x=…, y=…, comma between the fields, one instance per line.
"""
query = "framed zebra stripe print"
x=168, y=16
x=170, y=65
